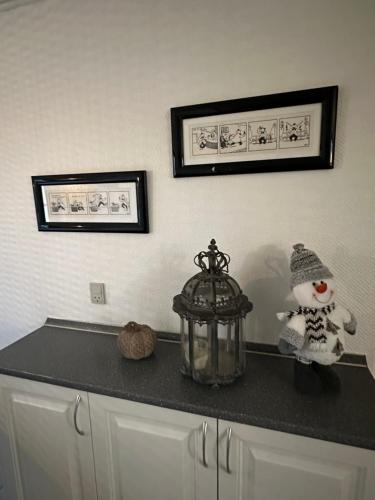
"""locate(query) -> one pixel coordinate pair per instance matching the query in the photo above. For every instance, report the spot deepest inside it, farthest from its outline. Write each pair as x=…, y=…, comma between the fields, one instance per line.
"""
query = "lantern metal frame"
x=212, y=297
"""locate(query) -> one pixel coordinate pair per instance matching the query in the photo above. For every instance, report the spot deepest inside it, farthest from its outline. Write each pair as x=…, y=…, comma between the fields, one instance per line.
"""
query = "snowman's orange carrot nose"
x=322, y=287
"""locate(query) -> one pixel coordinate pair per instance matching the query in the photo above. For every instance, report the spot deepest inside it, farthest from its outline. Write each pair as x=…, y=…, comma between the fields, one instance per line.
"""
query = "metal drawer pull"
x=204, y=438
x=78, y=400
x=229, y=437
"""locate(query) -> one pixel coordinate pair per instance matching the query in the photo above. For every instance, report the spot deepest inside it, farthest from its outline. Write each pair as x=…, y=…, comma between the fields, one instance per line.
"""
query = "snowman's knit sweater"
x=315, y=322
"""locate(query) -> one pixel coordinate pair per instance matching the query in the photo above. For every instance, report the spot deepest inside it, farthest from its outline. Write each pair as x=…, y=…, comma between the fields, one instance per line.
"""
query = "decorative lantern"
x=212, y=309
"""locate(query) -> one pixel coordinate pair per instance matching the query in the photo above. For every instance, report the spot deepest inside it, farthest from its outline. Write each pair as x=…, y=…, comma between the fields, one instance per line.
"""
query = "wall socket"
x=97, y=293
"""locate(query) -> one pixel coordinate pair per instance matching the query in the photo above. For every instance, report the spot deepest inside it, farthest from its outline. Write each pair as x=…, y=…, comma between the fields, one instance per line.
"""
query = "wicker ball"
x=136, y=341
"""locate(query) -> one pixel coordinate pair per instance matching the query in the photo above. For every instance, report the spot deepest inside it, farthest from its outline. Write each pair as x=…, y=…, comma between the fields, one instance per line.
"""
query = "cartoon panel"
x=119, y=202
x=98, y=203
x=294, y=132
x=204, y=140
x=57, y=203
x=77, y=203
x=262, y=135
x=233, y=138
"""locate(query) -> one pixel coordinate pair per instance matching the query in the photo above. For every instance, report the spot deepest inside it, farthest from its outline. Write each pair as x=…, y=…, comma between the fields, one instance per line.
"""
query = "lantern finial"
x=213, y=261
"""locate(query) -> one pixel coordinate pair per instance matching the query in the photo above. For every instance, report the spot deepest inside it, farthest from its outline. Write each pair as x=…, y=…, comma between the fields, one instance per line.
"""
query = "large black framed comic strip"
x=271, y=133
x=110, y=202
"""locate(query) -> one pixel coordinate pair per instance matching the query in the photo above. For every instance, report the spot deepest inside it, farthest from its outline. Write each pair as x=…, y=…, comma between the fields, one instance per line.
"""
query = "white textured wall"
x=86, y=85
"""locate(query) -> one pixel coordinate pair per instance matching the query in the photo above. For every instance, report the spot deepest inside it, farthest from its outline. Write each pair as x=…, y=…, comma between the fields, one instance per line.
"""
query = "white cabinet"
x=144, y=452
x=260, y=464
x=42, y=456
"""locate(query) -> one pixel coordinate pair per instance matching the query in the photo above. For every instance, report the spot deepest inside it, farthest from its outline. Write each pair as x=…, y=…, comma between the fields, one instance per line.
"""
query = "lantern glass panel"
x=242, y=361
x=185, y=367
x=202, y=353
x=226, y=367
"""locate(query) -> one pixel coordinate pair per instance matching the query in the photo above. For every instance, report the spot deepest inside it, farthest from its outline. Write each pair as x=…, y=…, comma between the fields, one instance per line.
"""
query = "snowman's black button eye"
x=321, y=282
x=314, y=283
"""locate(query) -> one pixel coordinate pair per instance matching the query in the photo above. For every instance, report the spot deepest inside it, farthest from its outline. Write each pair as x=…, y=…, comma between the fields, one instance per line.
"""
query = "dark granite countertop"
x=263, y=397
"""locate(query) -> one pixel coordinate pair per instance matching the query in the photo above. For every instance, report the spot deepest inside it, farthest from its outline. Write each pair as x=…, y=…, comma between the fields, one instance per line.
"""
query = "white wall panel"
x=87, y=85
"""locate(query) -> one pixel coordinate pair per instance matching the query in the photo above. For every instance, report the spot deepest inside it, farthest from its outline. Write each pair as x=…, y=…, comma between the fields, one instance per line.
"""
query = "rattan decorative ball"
x=136, y=341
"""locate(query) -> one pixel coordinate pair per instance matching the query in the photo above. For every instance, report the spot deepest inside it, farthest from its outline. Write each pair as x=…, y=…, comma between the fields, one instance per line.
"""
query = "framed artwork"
x=272, y=133
x=111, y=202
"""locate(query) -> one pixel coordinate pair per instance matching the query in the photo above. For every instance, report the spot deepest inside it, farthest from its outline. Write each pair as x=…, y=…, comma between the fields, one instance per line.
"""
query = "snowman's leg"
x=329, y=378
x=306, y=380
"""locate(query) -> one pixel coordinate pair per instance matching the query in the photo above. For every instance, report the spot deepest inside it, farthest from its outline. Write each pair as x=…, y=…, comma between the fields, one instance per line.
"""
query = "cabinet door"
x=42, y=457
x=144, y=452
x=267, y=465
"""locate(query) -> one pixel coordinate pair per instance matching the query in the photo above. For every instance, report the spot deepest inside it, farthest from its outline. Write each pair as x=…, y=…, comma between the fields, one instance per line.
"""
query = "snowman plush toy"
x=315, y=331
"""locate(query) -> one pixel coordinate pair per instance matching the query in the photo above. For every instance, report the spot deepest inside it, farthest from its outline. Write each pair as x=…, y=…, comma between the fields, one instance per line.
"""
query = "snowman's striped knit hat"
x=306, y=266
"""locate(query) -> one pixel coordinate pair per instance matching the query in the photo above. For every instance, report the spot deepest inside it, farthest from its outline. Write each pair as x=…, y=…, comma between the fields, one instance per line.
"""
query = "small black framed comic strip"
x=111, y=202
x=271, y=133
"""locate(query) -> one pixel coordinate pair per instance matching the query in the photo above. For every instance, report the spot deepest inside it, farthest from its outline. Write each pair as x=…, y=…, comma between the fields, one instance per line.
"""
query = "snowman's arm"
x=282, y=316
x=293, y=333
x=350, y=326
x=348, y=320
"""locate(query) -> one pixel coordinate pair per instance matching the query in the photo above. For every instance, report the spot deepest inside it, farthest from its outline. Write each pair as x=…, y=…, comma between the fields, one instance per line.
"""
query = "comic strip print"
x=233, y=138
x=58, y=204
x=294, y=132
x=98, y=203
x=204, y=140
x=119, y=202
x=77, y=203
x=262, y=135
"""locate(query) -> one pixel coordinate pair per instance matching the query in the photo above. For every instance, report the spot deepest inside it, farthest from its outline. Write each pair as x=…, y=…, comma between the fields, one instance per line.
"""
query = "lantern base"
x=205, y=379
x=215, y=382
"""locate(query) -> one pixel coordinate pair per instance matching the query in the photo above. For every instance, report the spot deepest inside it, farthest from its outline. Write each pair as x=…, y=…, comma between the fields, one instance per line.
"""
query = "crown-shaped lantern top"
x=212, y=293
x=213, y=261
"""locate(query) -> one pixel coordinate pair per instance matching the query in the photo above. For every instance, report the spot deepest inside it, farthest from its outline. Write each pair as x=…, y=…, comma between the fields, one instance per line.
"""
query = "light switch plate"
x=97, y=293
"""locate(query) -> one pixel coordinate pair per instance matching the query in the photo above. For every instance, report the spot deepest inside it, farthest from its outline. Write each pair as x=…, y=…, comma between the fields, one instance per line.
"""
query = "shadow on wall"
x=269, y=295
x=355, y=289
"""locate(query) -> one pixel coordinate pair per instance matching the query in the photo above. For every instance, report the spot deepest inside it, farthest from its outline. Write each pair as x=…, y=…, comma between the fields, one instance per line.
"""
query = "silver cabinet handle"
x=204, y=438
x=229, y=437
x=78, y=400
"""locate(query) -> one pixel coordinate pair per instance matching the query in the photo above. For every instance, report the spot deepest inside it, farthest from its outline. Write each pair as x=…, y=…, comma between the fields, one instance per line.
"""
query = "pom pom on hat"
x=306, y=266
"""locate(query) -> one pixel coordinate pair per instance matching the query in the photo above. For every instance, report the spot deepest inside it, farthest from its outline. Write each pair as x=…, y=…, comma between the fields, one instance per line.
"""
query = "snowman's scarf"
x=315, y=322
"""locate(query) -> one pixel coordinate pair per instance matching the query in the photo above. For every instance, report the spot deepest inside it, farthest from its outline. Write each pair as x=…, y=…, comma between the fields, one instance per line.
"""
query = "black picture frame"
x=327, y=96
x=136, y=177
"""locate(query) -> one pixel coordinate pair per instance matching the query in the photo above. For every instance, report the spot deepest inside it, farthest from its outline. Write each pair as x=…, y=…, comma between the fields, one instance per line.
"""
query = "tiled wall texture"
x=86, y=86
